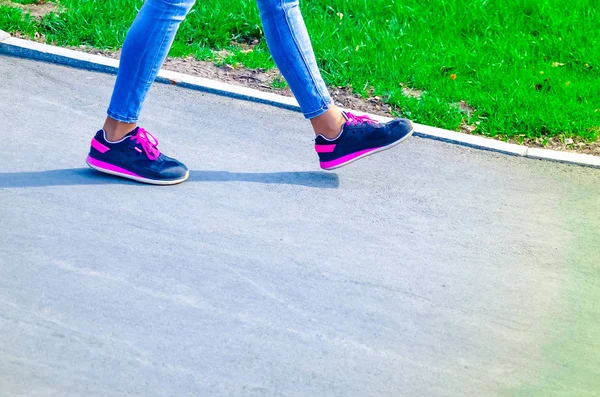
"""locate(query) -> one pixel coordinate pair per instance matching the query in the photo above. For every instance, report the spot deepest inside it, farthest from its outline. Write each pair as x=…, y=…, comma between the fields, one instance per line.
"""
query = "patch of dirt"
x=39, y=38
x=467, y=128
x=464, y=107
x=37, y=10
x=468, y=110
x=411, y=92
x=576, y=145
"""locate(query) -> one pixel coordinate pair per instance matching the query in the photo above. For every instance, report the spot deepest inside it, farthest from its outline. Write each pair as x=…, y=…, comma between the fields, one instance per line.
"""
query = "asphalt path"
x=427, y=270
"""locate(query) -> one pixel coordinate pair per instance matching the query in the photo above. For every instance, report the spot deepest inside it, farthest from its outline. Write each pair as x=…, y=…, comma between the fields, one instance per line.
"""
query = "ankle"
x=331, y=133
x=115, y=131
x=329, y=124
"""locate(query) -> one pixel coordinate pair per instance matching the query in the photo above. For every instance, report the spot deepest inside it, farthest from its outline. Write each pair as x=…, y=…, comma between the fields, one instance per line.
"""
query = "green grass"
x=530, y=68
x=278, y=83
x=27, y=1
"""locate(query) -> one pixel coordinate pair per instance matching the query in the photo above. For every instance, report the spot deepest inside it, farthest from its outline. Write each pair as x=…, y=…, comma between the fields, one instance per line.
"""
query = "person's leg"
x=341, y=136
x=292, y=51
x=121, y=148
x=144, y=51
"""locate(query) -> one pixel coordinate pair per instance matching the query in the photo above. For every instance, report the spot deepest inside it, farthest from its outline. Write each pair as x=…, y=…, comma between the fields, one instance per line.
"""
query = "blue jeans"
x=151, y=36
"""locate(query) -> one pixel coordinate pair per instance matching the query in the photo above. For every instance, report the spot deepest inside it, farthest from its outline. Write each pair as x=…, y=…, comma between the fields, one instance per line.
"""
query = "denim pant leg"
x=144, y=51
x=292, y=51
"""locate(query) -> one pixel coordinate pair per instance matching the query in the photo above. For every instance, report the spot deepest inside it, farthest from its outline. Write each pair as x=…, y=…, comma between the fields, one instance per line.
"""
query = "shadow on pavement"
x=86, y=176
x=323, y=180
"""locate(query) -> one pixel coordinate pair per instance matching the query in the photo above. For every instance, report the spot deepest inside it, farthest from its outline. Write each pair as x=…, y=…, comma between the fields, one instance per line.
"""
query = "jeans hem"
x=317, y=113
x=122, y=119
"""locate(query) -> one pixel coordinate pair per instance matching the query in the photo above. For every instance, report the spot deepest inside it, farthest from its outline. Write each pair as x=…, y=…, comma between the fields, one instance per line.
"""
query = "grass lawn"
x=529, y=68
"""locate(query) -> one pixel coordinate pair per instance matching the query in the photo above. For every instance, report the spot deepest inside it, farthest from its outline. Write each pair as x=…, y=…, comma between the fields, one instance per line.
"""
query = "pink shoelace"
x=354, y=119
x=148, y=143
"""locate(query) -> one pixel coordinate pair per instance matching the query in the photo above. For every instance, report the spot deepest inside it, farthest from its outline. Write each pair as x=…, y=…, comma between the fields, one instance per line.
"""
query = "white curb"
x=564, y=157
x=43, y=52
x=472, y=140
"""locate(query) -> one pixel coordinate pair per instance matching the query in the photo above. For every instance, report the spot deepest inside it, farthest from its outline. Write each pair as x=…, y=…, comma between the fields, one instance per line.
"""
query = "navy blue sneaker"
x=361, y=136
x=135, y=157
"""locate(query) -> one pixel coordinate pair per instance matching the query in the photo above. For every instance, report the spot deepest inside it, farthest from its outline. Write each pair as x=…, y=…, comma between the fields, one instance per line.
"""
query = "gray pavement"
x=428, y=270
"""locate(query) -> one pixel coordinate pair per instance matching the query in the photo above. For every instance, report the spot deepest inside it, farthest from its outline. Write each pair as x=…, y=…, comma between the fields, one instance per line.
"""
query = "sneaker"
x=135, y=157
x=361, y=136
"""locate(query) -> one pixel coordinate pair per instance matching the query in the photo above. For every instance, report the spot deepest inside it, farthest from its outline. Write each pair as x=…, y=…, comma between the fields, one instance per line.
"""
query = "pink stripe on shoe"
x=325, y=148
x=101, y=165
x=346, y=159
x=99, y=147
